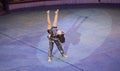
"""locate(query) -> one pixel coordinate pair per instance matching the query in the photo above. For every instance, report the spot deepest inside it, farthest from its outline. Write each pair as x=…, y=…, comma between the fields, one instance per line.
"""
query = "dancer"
x=54, y=35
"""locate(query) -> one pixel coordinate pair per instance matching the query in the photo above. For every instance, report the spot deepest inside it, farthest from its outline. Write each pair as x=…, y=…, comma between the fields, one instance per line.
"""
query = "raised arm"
x=48, y=20
x=56, y=18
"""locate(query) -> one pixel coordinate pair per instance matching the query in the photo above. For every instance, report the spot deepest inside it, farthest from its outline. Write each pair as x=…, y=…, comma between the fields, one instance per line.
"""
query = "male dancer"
x=55, y=36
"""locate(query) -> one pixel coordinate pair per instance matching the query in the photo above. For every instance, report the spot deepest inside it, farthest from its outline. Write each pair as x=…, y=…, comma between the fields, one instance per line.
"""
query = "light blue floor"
x=92, y=40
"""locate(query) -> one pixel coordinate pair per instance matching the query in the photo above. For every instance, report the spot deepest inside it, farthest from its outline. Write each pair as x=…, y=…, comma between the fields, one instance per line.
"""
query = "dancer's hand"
x=49, y=36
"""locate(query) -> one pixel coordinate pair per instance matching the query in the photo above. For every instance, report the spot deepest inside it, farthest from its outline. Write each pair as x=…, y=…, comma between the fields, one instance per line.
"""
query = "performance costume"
x=57, y=39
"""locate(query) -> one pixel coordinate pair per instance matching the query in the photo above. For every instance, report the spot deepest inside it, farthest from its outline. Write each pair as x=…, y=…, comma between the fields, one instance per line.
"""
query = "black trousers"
x=51, y=45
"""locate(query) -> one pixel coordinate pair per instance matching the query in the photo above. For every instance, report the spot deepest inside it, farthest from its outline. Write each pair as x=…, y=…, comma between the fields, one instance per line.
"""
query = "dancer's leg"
x=56, y=18
x=48, y=20
x=57, y=42
x=50, y=50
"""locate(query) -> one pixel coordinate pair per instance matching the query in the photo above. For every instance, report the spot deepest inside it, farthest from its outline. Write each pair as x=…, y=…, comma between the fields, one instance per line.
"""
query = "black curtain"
x=5, y=5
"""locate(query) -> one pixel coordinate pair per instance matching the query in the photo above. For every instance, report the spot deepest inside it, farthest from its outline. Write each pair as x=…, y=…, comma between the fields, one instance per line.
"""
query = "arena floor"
x=92, y=40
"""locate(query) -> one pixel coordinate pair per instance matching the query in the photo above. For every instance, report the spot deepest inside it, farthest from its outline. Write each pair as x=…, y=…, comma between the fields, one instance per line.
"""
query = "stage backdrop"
x=16, y=4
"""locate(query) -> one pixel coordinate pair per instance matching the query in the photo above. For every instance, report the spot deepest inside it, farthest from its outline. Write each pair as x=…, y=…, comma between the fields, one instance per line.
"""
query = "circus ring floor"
x=92, y=40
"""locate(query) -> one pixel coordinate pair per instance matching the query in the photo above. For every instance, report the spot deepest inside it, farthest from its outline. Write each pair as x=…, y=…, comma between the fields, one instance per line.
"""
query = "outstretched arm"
x=48, y=20
x=56, y=18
